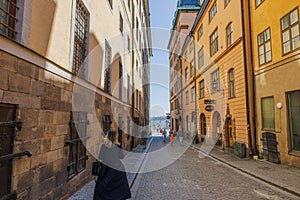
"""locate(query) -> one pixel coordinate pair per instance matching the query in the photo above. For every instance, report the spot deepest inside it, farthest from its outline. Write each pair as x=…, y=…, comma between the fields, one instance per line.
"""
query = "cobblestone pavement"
x=190, y=177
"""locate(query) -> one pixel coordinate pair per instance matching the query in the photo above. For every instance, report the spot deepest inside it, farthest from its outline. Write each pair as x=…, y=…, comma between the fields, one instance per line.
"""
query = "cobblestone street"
x=190, y=177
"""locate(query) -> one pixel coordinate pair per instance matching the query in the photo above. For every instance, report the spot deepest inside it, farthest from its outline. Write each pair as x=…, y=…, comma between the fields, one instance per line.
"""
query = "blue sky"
x=161, y=16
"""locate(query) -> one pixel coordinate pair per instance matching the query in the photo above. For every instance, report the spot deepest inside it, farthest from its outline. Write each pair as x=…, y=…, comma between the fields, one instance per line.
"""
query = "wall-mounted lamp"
x=279, y=105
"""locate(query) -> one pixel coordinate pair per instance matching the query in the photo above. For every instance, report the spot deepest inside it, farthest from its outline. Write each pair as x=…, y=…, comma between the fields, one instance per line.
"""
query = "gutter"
x=246, y=82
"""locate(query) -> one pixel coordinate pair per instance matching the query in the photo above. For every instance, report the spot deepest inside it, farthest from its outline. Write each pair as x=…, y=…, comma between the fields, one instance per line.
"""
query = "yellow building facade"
x=276, y=45
x=215, y=52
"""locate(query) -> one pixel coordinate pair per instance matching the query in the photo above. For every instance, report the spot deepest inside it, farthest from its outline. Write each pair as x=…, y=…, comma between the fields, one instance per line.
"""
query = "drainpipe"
x=252, y=82
x=246, y=82
x=181, y=101
x=195, y=84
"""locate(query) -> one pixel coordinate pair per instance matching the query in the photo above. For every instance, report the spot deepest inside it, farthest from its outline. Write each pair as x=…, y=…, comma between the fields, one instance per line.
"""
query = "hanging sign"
x=209, y=108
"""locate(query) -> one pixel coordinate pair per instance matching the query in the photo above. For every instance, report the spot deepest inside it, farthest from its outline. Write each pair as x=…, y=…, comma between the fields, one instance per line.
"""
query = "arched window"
x=229, y=34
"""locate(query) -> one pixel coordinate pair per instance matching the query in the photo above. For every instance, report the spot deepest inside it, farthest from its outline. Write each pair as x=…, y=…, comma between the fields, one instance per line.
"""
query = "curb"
x=249, y=173
x=132, y=176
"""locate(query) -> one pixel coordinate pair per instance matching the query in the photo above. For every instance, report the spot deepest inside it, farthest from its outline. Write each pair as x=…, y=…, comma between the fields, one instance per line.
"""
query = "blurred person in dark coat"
x=113, y=184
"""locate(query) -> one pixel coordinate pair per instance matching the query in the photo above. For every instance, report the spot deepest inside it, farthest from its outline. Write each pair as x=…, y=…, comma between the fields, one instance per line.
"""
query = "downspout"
x=132, y=74
x=246, y=82
x=195, y=84
x=181, y=101
x=253, y=83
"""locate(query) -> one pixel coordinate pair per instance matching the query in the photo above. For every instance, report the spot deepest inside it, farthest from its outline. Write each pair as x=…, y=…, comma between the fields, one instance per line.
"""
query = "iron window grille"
x=107, y=71
x=8, y=19
x=80, y=39
x=77, y=139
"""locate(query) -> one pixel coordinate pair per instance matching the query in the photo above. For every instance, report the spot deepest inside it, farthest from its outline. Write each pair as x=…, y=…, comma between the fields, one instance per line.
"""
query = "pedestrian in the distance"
x=144, y=139
x=165, y=135
x=180, y=135
x=171, y=136
x=114, y=184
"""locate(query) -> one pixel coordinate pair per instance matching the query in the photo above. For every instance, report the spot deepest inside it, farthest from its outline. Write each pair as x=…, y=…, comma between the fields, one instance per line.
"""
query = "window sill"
x=295, y=153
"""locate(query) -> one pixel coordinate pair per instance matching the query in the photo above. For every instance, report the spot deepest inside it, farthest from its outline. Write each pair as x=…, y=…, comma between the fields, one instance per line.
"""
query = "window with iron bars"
x=80, y=39
x=77, y=138
x=8, y=20
x=107, y=72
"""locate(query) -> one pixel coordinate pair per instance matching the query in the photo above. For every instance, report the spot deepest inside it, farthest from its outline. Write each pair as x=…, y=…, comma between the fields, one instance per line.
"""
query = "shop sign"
x=209, y=101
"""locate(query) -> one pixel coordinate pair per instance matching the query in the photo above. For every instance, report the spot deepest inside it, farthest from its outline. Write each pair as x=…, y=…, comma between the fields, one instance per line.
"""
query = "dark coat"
x=114, y=184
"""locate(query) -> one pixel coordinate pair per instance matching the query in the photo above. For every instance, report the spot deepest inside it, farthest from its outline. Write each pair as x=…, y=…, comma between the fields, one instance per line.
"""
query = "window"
x=201, y=57
x=229, y=34
x=106, y=123
x=267, y=111
x=193, y=94
x=213, y=11
x=107, y=71
x=80, y=39
x=227, y=2
x=192, y=46
x=128, y=43
x=186, y=74
x=258, y=2
x=200, y=31
x=187, y=97
x=120, y=80
x=128, y=88
x=293, y=101
x=215, y=83
x=192, y=68
x=8, y=20
x=202, y=91
x=264, y=47
x=76, y=142
x=231, y=83
x=110, y=3
x=214, y=42
x=186, y=55
x=121, y=23
x=290, y=31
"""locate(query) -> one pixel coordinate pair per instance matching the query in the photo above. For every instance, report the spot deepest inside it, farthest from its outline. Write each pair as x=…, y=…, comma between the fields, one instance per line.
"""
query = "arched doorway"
x=202, y=126
x=229, y=133
x=217, y=128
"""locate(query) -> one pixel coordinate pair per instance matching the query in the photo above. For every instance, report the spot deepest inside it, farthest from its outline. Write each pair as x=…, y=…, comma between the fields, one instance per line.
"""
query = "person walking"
x=180, y=135
x=165, y=135
x=113, y=184
x=171, y=136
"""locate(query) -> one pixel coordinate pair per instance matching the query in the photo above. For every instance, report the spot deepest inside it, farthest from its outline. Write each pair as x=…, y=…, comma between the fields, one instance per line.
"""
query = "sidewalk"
x=282, y=176
x=132, y=162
